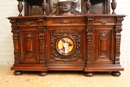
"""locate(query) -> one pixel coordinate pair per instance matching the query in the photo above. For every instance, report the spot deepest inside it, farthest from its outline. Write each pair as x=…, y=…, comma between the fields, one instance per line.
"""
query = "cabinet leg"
x=18, y=72
x=42, y=73
x=89, y=74
x=117, y=73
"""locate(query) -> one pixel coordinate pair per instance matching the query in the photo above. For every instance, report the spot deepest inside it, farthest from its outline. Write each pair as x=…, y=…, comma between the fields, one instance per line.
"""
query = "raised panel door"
x=103, y=45
x=29, y=46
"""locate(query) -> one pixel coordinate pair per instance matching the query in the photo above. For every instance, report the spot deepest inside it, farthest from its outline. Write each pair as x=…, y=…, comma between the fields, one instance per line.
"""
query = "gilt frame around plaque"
x=65, y=45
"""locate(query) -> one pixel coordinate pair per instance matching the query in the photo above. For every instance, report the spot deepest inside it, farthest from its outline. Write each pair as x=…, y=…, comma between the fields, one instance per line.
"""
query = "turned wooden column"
x=44, y=6
x=20, y=7
x=88, y=5
x=113, y=6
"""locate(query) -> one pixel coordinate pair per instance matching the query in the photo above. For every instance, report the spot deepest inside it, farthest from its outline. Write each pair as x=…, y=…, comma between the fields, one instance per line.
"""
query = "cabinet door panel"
x=57, y=36
x=103, y=45
x=29, y=46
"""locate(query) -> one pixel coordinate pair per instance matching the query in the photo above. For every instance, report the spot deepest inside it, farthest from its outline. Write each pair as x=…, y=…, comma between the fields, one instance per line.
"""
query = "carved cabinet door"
x=63, y=45
x=101, y=37
x=28, y=45
x=104, y=45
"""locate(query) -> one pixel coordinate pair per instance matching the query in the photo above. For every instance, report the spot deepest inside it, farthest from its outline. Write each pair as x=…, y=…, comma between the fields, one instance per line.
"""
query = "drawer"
x=65, y=21
x=27, y=22
x=104, y=20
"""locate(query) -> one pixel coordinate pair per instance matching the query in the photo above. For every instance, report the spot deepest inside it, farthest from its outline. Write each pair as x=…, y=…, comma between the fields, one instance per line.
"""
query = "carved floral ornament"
x=103, y=54
x=103, y=21
x=29, y=36
x=64, y=21
x=103, y=35
x=28, y=23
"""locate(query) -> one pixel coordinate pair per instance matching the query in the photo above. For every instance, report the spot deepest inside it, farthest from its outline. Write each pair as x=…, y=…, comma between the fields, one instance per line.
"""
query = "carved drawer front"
x=65, y=21
x=104, y=21
x=27, y=22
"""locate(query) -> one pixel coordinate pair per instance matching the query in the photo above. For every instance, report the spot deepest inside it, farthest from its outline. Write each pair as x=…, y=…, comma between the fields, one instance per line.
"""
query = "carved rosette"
x=89, y=31
x=29, y=54
x=30, y=36
x=103, y=35
x=75, y=55
x=41, y=35
x=103, y=54
x=118, y=38
x=15, y=32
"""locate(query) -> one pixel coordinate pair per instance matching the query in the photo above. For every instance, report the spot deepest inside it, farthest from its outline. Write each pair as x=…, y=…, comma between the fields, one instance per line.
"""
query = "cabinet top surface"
x=76, y=16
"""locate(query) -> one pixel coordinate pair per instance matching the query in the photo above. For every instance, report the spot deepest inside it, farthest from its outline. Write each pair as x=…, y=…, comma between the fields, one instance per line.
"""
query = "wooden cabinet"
x=67, y=40
x=103, y=38
x=29, y=44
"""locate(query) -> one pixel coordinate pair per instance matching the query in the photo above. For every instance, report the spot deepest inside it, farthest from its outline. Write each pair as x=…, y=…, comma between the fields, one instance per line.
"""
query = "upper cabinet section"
x=65, y=7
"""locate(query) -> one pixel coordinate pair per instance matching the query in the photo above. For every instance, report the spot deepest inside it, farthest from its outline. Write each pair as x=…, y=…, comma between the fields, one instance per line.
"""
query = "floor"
x=62, y=79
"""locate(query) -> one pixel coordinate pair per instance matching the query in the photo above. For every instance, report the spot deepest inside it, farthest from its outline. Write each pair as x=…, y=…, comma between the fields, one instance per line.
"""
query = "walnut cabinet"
x=48, y=38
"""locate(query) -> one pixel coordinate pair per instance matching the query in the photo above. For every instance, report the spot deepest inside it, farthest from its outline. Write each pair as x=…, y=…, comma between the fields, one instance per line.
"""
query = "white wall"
x=9, y=8
x=123, y=8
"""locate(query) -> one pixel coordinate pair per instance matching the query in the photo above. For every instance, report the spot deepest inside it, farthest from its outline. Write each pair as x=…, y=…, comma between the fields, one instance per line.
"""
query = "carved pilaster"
x=41, y=40
x=89, y=30
x=118, y=39
x=15, y=32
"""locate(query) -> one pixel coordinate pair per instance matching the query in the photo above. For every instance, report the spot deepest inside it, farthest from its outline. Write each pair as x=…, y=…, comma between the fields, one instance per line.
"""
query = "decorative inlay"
x=103, y=35
x=29, y=54
x=29, y=36
x=64, y=21
x=28, y=23
x=103, y=54
x=103, y=21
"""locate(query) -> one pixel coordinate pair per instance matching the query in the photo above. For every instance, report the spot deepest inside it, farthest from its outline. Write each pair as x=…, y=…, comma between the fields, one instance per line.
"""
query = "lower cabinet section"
x=89, y=43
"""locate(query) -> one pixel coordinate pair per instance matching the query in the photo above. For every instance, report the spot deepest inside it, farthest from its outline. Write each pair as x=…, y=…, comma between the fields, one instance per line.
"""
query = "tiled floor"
x=62, y=79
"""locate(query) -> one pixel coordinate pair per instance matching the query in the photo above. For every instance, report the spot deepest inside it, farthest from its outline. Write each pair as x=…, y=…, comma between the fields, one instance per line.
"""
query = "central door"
x=65, y=45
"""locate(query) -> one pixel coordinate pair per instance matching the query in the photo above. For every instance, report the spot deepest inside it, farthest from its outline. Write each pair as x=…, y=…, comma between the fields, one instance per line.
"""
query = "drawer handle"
x=104, y=21
x=28, y=23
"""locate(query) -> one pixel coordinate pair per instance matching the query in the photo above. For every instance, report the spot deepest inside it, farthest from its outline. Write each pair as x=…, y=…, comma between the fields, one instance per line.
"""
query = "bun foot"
x=116, y=73
x=18, y=72
x=42, y=73
x=89, y=74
